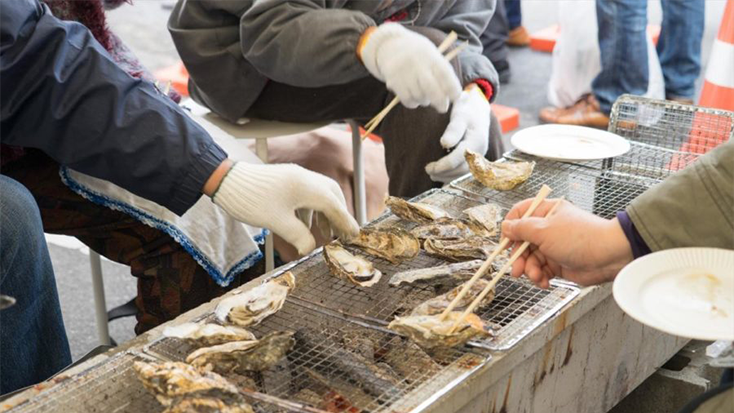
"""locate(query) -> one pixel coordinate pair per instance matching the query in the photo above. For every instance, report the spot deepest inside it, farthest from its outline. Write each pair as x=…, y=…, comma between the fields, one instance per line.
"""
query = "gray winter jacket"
x=231, y=48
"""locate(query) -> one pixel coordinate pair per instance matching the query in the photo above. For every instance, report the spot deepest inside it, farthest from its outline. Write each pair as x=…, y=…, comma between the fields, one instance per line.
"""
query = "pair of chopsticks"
x=447, y=42
x=542, y=194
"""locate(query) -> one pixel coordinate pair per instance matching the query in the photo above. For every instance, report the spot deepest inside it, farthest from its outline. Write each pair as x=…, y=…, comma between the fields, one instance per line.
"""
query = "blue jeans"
x=623, y=46
x=514, y=13
x=33, y=344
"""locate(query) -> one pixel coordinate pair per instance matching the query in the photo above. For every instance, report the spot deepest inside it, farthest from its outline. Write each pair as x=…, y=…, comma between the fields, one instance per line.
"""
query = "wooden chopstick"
x=500, y=273
x=542, y=194
x=447, y=42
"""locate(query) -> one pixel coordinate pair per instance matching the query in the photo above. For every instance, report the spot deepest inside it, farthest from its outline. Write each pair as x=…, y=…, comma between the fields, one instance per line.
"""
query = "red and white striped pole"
x=718, y=87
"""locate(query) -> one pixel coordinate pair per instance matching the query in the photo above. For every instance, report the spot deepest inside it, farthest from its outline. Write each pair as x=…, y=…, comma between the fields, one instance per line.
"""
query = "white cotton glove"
x=467, y=129
x=271, y=196
x=411, y=67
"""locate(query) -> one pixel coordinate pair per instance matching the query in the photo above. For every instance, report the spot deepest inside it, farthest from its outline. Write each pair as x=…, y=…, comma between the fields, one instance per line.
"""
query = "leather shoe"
x=585, y=112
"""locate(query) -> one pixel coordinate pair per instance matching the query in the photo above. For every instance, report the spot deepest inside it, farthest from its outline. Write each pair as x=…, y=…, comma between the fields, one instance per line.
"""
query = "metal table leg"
x=100, y=304
x=261, y=149
x=360, y=198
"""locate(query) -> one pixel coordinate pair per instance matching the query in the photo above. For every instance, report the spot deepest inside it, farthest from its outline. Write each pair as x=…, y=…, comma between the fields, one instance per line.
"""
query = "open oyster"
x=184, y=388
x=501, y=176
x=415, y=211
x=443, y=228
x=392, y=244
x=255, y=305
x=454, y=273
x=487, y=216
x=430, y=331
x=243, y=356
x=348, y=266
x=471, y=248
x=438, y=304
x=207, y=334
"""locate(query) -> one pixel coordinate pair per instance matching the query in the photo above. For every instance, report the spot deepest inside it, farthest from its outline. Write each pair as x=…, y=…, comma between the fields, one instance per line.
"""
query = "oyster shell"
x=207, y=334
x=501, y=176
x=486, y=216
x=429, y=331
x=253, y=306
x=243, y=356
x=392, y=244
x=438, y=304
x=443, y=228
x=415, y=211
x=471, y=248
x=179, y=386
x=456, y=272
x=348, y=266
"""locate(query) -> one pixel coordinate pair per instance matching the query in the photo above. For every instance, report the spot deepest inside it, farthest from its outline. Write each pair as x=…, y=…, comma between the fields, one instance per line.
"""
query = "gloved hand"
x=268, y=196
x=411, y=67
x=467, y=129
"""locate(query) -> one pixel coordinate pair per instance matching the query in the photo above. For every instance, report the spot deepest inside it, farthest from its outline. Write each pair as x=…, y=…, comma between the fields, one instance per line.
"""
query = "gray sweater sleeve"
x=321, y=42
x=469, y=19
x=63, y=94
x=692, y=208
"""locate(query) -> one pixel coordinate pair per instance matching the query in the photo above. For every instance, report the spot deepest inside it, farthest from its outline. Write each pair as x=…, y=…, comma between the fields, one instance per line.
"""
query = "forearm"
x=63, y=94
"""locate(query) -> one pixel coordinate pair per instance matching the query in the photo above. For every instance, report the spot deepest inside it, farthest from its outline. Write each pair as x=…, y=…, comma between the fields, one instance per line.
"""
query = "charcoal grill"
x=341, y=327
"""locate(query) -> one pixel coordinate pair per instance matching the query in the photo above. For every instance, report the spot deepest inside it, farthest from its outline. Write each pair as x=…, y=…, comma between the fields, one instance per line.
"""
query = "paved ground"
x=142, y=26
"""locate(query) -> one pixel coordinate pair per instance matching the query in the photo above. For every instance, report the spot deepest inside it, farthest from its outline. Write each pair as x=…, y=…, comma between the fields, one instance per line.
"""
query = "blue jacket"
x=62, y=93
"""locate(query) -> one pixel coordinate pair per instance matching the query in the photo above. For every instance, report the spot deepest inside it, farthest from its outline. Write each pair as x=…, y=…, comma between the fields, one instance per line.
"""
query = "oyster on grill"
x=207, y=334
x=430, y=331
x=348, y=266
x=471, y=248
x=443, y=228
x=486, y=216
x=454, y=273
x=438, y=304
x=415, y=211
x=243, y=356
x=181, y=388
x=253, y=306
x=501, y=176
x=392, y=244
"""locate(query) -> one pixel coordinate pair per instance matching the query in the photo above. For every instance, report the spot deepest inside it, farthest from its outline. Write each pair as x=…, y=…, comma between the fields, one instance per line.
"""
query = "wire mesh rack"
x=338, y=364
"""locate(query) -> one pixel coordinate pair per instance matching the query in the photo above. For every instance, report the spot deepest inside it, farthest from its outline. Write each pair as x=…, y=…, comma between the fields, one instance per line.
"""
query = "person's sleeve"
x=693, y=207
x=469, y=19
x=63, y=94
x=303, y=43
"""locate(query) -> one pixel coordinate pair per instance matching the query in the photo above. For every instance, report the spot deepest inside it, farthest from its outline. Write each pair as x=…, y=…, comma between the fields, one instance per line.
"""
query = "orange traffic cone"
x=718, y=87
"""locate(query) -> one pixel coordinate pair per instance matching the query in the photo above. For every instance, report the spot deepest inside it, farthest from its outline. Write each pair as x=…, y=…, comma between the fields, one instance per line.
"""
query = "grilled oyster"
x=179, y=386
x=207, y=334
x=501, y=176
x=348, y=266
x=487, y=216
x=429, y=331
x=393, y=244
x=438, y=304
x=243, y=356
x=456, y=273
x=415, y=211
x=443, y=228
x=471, y=248
x=253, y=306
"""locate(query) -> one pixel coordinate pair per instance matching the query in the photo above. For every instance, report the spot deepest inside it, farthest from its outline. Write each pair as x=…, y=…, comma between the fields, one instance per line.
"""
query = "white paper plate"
x=569, y=143
x=688, y=292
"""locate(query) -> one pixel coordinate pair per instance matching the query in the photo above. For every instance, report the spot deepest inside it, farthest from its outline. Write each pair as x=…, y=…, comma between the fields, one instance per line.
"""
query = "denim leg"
x=623, y=47
x=679, y=46
x=514, y=13
x=33, y=344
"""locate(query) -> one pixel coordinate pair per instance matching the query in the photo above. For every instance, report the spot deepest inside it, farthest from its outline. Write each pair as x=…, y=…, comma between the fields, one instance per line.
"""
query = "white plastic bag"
x=576, y=56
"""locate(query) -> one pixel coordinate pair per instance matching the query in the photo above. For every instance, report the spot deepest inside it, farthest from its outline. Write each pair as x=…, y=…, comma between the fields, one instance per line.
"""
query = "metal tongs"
x=6, y=301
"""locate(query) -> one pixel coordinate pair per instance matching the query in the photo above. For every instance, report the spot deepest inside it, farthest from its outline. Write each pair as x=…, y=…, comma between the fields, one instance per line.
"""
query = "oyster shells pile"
x=392, y=244
x=501, y=176
x=348, y=266
x=430, y=331
x=243, y=356
x=184, y=388
x=253, y=306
